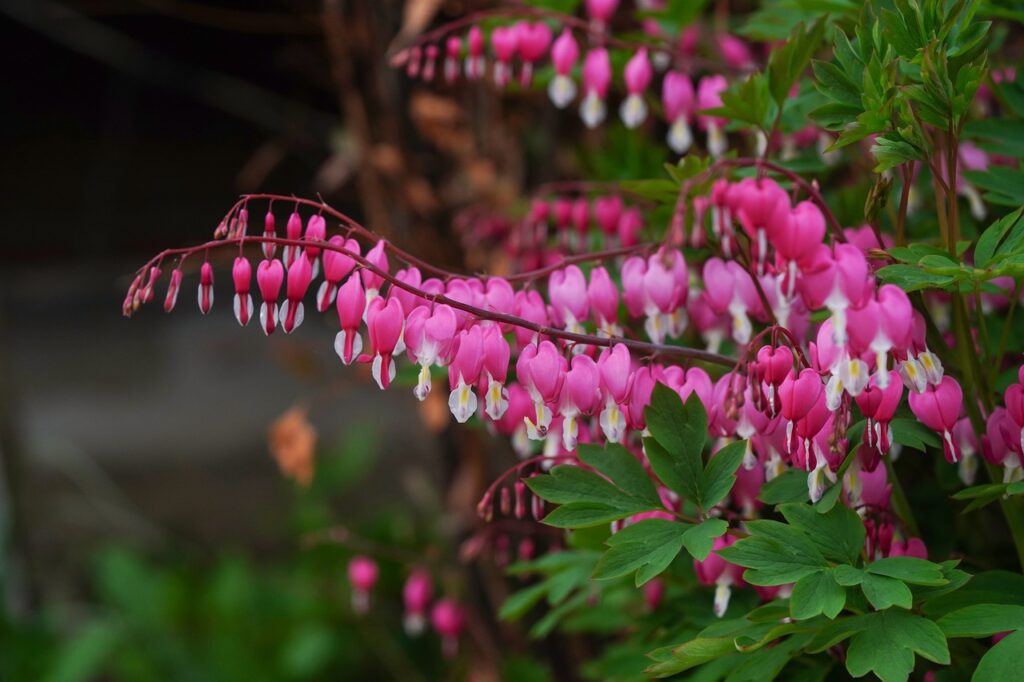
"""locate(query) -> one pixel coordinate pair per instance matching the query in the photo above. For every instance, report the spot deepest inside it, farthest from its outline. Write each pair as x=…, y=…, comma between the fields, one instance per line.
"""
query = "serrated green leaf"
x=649, y=545
x=720, y=473
x=993, y=236
x=585, y=514
x=774, y=554
x=625, y=470
x=817, y=593
x=681, y=431
x=838, y=534
x=888, y=642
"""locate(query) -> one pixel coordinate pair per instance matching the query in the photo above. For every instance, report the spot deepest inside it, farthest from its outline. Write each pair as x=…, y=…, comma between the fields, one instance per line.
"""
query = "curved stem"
x=480, y=313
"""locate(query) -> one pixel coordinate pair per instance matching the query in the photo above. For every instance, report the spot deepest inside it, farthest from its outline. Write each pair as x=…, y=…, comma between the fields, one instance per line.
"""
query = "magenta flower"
x=449, y=621
x=564, y=54
x=677, y=99
x=363, y=574
x=337, y=267
x=541, y=369
x=351, y=303
x=241, y=273
x=269, y=278
x=205, y=288
x=709, y=96
x=580, y=396
x=597, y=76
x=300, y=274
x=464, y=372
x=384, y=323
x=938, y=408
x=505, y=43
x=416, y=595
x=534, y=40
x=638, y=76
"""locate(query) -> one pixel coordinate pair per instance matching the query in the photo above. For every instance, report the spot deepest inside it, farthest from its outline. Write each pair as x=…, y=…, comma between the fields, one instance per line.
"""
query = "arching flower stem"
x=480, y=313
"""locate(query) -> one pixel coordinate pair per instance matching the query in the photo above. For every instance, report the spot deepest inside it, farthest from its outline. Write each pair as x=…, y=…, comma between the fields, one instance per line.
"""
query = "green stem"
x=1014, y=514
x=1005, y=336
x=899, y=499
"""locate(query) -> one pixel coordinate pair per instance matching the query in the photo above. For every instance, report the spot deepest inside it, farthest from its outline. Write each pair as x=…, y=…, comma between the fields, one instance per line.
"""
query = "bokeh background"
x=147, y=532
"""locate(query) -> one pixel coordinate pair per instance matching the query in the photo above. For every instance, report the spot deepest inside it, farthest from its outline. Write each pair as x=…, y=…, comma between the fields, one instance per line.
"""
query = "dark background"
x=130, y=127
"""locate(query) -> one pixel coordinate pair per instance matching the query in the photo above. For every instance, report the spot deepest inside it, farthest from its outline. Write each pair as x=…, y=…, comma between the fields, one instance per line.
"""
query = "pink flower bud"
x=416, y=595
x=269, y=232
x=607, y=211
x=564, y=53
x=735, y=52
x=172, y=291
x=597, y=76
x=293, y=230
x=631, y=224
x=601, y=10
x=449, y=621
x=241, y=273
x=603, y=296
x=205, y=288
x=363, y=574
x=378, y=257
x=534, y=39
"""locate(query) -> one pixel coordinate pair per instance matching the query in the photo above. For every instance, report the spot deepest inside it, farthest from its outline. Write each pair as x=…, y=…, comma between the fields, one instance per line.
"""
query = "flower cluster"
x=446, y=616
x=546, y=37
x=553, y=364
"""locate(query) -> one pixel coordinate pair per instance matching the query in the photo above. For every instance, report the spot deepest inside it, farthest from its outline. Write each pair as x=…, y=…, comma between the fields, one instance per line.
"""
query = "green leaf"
x=836, y=85
x=912, y=278
x=569, y=483
x=747, y=101
x=649, y=545
x=720, y=473
x=817, y=593
x=787, y=63
x=681, y=431
x=699, y=539
x=693, y=653
x=837, y=631
x=774, y=554
x=909, y=569
x=891, y=150
x=586, y=514
x=888, y=642
x=913, y=434
x=838, y=534
x=990, y=587
x=1002, y=662
x=789, y=486
x=992, y=237
x=982, y=620
x=884, y=592
x=625, y=470
x=848, y=575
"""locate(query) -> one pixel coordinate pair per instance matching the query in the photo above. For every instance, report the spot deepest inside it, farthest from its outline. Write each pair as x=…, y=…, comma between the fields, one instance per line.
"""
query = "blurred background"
x=147, y=531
